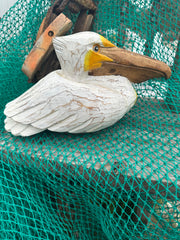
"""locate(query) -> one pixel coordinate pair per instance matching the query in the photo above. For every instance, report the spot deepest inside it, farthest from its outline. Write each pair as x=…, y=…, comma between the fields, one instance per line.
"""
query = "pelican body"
x=69, y=99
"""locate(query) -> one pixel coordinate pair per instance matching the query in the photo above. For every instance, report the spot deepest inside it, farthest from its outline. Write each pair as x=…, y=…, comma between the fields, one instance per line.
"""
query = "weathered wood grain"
x=43, y=47
x=155, y=173
x=136, y=67
x=84, y=22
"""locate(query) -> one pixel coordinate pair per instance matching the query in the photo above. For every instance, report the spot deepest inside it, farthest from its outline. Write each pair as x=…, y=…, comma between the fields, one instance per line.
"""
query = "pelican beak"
x=136, y=67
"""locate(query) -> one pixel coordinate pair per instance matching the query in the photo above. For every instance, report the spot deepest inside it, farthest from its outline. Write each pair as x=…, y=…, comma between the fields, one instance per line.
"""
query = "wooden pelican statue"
x=71, y=100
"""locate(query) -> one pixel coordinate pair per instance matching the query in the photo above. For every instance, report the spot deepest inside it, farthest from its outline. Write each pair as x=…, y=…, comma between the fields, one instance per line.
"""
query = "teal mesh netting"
x=120, y=183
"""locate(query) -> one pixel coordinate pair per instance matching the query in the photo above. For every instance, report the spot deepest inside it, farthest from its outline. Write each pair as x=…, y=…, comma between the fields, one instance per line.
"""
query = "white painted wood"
x=68, y=100
x=5, y=5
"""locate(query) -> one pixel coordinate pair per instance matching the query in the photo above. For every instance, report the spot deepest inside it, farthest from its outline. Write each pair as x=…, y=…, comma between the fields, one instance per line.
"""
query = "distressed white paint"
x=68, y=100
x=5, y=5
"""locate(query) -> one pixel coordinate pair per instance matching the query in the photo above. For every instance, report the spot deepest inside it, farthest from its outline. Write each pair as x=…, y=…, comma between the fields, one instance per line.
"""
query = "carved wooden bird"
x=70, y=100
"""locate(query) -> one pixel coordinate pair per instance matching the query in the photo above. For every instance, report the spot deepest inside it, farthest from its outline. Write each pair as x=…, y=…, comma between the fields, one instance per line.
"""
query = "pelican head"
x=88, y=52
x=80, y=53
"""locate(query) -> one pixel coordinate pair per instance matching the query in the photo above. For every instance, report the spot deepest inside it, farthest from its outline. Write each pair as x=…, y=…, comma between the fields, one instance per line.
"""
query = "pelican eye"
x=96, y=48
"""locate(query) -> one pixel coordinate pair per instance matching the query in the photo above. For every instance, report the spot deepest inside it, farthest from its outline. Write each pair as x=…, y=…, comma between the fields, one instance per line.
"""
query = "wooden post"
x=43, y=46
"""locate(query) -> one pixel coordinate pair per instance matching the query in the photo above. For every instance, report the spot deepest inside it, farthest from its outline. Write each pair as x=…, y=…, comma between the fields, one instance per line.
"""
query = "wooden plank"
x=84, y=22
x=43, y=47
x=152, y=174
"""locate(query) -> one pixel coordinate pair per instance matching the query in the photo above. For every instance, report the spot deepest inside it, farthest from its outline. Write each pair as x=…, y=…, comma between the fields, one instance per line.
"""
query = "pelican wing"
x=60, y=105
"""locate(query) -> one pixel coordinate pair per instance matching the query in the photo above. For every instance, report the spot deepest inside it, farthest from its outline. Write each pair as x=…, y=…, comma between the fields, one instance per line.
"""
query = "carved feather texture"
x=61, y=105
x=68, y=100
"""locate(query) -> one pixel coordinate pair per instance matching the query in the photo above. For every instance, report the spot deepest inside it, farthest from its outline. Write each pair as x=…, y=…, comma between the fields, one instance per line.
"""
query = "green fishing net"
x=119, y=183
